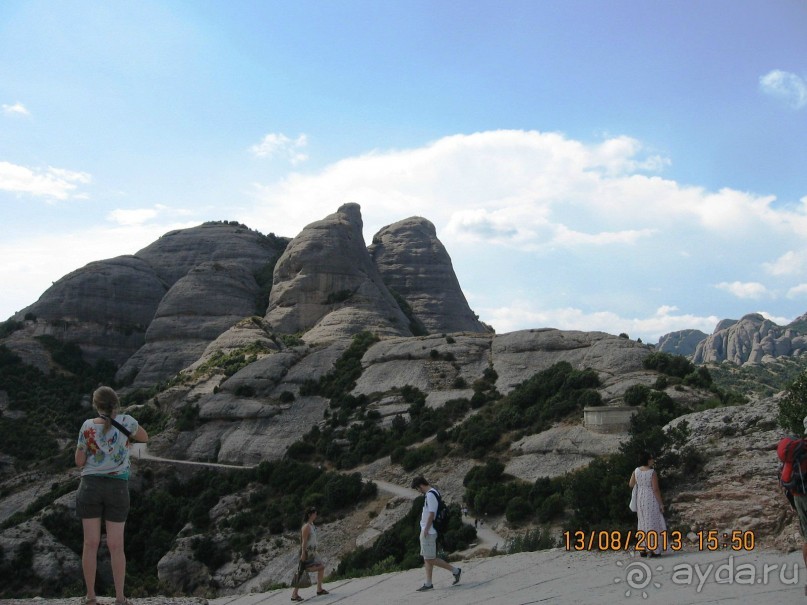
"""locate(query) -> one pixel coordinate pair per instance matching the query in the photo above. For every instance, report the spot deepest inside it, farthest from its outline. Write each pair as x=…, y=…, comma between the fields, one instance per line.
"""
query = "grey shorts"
x=428, y=546
x=103, y=497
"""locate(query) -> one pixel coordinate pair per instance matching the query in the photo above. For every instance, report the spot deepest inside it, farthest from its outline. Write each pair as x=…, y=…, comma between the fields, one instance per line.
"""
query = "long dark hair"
x=308, y=512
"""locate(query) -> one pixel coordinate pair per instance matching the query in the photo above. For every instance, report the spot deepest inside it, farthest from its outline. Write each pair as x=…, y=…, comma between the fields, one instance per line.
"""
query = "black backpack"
x=442, y=516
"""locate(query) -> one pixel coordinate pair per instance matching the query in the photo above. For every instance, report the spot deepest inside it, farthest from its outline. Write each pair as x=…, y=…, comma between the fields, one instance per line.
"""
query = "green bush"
x=551, y=508
x=793, y=406
x=518, y=510
x=531, y=541
x=636, y=394
x=672, y=365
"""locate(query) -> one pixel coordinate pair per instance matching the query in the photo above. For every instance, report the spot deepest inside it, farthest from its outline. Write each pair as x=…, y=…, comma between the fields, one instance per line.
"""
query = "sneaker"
x=425, y=587
x=457, y=576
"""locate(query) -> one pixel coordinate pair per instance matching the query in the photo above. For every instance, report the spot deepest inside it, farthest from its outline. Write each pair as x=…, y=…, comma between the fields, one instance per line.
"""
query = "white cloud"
x=799, y=291
x=134, y=217
x=777, y=319
x=791, y=262
x=526, y=190
x=278, y=144
x=522, y=315
x=55, y=183
x=786, y=86
x=18, y=109
x=743, y=289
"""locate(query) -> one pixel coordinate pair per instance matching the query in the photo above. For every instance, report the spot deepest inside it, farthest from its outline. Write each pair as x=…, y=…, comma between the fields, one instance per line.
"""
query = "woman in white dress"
x=649, y=505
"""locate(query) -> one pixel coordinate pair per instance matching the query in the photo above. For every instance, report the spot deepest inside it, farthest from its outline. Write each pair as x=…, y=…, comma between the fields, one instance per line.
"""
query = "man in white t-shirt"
x=428, y=535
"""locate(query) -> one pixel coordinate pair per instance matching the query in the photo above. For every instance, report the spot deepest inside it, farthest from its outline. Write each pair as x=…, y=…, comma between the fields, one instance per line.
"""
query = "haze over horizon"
x=632, y=166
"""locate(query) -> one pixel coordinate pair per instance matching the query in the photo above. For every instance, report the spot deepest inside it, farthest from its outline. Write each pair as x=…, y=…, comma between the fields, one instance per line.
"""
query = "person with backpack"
x=792, y=453
x=432, y=504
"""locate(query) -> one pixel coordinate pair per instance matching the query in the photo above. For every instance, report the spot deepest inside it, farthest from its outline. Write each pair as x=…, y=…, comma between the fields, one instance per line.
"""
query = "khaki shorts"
x=428, y=546
x=103, y=497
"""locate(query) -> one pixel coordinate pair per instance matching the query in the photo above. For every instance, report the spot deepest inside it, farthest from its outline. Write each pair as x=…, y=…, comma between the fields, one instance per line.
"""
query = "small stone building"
x=608, y=419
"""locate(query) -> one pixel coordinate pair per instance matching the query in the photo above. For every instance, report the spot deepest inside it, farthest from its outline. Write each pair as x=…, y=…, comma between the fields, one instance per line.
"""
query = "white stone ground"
x=759, y=577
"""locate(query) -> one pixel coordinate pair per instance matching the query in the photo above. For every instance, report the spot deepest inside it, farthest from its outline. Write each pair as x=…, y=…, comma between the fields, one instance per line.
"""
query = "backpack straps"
x=118, y=425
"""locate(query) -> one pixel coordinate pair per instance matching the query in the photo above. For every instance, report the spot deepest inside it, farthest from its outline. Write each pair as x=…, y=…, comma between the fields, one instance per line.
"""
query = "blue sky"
x=623, y=166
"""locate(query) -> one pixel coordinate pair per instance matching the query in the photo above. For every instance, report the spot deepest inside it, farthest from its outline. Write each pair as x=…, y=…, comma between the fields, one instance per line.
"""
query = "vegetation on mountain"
x=52, y=402
x=269, y=501
x=761, y=380
x=793, y=406
x=398, y=548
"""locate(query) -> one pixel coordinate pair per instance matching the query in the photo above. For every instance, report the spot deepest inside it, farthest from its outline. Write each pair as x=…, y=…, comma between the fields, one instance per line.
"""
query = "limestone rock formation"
x=211, y=298
x=518, y=355
x=177, y=252
x=108, y=306
x=51, y=561
x=327, y=286
x=180, y=570
x=752, y=340
x=559, y=450
x=104, y=307
x=416, y=266
x=682, y=342
x=737, y=488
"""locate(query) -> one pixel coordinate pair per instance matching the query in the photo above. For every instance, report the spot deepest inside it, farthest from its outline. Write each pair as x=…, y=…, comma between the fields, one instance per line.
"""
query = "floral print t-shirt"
x=107, y=453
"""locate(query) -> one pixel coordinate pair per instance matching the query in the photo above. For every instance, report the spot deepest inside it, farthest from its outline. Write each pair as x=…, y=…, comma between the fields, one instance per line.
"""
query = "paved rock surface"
x=556, y=576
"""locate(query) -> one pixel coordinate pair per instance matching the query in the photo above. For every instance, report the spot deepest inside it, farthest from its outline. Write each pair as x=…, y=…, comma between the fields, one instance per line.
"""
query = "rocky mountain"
x=682, y=342
x=415, y=265
x=751, y=340
x=738, y=487
x=326, y=284
x=113, y=308
x=255, y=333
x=155, y=312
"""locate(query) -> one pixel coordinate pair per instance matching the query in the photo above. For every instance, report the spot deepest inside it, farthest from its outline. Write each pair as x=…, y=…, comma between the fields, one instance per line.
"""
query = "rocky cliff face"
x=172, y=298
x=200, y=306
x=154, y=313
x=327, y=286
x=104, y=307
x=245, y=419
x=738, y=489
x=682, y=342
x=177, y=252
x=415, y=265
x=752, y=340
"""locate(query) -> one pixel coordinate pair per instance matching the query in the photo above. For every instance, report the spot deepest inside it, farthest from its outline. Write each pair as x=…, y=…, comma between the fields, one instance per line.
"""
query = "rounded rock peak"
x=352, y=213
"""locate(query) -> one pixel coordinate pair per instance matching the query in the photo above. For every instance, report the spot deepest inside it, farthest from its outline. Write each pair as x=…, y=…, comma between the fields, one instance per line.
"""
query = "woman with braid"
x=102, y=454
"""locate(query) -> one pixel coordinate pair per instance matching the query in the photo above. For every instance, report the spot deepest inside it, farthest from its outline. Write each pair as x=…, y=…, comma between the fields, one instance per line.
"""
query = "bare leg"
x=114, y=541
x=430, y=564
x=320, y=576
x=89, y=553
x=443, y=565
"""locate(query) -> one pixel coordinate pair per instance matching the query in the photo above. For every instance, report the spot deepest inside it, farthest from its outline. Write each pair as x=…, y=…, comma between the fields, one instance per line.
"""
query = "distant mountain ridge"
x=751, y=340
